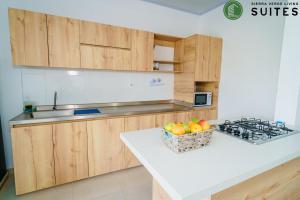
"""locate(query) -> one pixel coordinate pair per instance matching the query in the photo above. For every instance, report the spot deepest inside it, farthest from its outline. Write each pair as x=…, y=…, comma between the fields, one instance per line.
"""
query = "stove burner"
x=255, y=130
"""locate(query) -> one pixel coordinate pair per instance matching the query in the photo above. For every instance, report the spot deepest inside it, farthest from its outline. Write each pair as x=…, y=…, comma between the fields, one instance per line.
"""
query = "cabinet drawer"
x=104, y=35
x=97, y=57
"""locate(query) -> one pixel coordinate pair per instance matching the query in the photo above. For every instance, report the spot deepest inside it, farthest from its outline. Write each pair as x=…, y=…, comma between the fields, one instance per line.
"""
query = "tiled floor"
x=131, y=184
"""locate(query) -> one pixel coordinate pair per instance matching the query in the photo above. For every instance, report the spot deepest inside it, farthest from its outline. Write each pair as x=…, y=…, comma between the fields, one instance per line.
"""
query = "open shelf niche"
x=209, y=87
x=166, y=54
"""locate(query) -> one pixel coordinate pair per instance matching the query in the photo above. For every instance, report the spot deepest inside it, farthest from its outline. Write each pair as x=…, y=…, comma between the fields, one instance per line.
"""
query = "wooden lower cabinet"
x=70, y=152
x=132, y=124
x=162, y=119
x=279, y=183
x=105, y=148
x=207, y=114
x=33, y=158
x=183, y=117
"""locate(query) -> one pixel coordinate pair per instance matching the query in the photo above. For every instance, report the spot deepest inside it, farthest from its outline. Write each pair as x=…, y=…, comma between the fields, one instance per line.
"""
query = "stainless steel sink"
x=52, y=114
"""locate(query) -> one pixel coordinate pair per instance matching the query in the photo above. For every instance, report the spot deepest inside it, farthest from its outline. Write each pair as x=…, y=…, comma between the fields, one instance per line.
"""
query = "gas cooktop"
x=255, y=131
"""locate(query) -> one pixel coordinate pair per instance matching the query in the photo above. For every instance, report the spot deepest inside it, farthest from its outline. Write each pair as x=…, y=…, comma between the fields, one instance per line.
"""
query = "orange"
x=178, y=130
x=196, y=128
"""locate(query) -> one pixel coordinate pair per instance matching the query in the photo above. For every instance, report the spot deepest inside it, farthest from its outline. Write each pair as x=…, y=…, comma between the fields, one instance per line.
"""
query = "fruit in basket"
x=178, y=130
x=191, y=123
x=195, y=119
x=196, y=128
x=169, y=126
x=204, y=124
x=187, y=128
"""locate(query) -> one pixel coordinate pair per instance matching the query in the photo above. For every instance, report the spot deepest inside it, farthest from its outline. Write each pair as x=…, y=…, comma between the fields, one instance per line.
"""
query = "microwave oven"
x=202, y=99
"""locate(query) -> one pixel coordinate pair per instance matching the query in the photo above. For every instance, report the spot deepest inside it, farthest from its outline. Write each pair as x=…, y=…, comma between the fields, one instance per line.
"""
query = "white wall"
x=251, y=59
x=288, y=96
x=38, y=85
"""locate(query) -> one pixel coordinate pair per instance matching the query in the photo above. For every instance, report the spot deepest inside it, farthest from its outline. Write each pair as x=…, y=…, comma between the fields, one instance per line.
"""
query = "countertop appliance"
x=202, y=99
x=255, y=131
x=2, y=156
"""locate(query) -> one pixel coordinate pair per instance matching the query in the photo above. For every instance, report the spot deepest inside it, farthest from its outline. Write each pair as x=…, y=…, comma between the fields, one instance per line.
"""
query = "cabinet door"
x=63, y=40
x=183, y=117
x=133, y=124
x=207, y=114
x=142, y=50
x=28, y=36
x=70, y=152
x=105, y=148
x=209, y=54
x=96, y=57
x=33, y=158
x=162, y=119
x=104, y=35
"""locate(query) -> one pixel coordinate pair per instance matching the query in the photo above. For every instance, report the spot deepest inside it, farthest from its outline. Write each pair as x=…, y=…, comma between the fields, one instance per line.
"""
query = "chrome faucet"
x=55, y=98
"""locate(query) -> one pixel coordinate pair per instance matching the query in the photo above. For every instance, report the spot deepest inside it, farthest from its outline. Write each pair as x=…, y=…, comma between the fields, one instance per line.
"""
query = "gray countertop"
x=107, y=110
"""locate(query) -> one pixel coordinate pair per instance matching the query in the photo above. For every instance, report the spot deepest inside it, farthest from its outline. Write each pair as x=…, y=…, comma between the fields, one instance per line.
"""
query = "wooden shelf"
x=167, y=71
x=166, y=62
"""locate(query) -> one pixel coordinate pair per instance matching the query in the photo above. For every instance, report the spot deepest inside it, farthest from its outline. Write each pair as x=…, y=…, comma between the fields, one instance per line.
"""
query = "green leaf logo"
x=233, y=10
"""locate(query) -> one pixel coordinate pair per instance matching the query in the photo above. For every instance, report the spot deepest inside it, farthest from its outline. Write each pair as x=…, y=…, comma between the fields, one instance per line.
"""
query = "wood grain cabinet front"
x=105, y=148
x=104, y=35
x=208, y=58
x=133, y=124
x=28, y=37
x=142, y=50
x=162, y=119
x=98, y=57
x=63, y=41
x=70, y=151
x=33, y=158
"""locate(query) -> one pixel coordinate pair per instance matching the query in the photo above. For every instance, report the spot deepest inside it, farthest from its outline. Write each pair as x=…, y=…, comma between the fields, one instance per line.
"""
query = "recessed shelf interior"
x=209, y=87
x=164, y=54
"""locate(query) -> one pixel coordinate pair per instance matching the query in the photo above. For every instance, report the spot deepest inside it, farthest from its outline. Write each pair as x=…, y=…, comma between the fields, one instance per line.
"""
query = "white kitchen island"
x=225, y=162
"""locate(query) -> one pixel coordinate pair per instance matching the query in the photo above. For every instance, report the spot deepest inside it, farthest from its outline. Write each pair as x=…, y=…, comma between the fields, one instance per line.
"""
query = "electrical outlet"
x=156, y=82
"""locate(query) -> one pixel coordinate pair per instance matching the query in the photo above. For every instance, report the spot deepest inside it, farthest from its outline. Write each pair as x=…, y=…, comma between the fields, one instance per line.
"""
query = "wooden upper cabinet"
x=208, y=58
x=104, y=35
x=105, y=148
x=33, y=158
x=133, y=124
x=142, y=50
x=98, y=57
x=70, y=152
x=28, y=36
x=63, y=41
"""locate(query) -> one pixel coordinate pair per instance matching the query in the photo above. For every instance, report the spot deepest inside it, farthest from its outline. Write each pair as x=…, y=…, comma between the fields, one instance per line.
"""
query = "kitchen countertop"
x=197, y=174
x=107, y=110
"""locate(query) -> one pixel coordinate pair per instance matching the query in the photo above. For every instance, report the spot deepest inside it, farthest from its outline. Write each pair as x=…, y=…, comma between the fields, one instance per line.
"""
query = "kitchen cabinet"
x=97, y=57
x=206, y=114
x=104, y=35
x=208, y=58
x=162, y=119
x=142, y=50
x=28, y=36
x=133, y=124
x=33, y=158
x=105, y=148
x=183, y=117
x=70, y=151
x=63, y=41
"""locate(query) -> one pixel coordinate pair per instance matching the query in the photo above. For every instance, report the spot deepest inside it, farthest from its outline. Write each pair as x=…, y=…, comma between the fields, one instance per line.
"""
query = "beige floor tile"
x=114, y=196
x=142, y=192
x=136, y=177
x=62, y=192
x=131, y=184
x=98, y=186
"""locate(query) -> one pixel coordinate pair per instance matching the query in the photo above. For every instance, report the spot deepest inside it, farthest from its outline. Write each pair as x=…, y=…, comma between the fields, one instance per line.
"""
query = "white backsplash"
x=80, y=87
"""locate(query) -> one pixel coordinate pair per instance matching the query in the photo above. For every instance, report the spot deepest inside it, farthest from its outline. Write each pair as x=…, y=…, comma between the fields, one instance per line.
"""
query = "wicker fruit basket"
x=187, y=142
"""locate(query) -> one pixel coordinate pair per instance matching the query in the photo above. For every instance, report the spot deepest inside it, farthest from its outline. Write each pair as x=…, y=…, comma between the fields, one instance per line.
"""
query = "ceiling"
x=198, y=7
